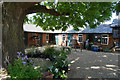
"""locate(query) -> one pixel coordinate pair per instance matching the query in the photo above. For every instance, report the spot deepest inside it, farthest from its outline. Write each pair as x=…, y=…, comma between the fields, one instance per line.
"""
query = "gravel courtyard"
x=89, y=64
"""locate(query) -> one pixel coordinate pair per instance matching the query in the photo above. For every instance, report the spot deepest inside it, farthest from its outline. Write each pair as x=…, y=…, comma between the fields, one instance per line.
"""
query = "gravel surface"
x=3, y=75
x=89, y=64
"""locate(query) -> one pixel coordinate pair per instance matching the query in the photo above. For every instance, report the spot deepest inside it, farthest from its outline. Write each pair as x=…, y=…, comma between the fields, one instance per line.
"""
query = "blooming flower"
x=30, y=61
x=48, y=59
x=51, y=68
x=63, y=61
x=26, y=57
x=34, y=51
x=22, y=58
x=56, y=70
x=55, y=62
x=54, y=56
x=19, y=53
x=35, y=67
x=23, y=62
x=18, y=56
x=63, y=71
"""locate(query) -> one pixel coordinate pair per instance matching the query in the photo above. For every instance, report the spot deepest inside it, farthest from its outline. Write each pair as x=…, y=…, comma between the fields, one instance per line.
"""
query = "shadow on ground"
x=89, y=64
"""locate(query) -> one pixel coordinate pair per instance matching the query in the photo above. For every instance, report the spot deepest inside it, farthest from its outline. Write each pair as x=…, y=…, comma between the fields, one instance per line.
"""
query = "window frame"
x=105, y=38
x=80, y=37
x=97, y=37
x=63, y=36
x=47, y=35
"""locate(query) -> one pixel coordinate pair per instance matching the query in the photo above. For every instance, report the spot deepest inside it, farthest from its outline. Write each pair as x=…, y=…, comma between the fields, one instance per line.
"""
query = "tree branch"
x=43, y=9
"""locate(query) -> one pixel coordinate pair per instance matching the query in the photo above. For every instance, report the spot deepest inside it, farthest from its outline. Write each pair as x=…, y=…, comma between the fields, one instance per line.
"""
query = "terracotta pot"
x=47, y=75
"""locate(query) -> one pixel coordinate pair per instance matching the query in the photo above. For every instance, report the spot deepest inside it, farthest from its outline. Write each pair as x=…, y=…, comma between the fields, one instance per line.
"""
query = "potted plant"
x=47, y=75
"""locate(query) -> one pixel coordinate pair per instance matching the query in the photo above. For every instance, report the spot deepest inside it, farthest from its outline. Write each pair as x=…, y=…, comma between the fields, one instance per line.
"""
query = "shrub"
x=60, y=65
x=21, y=69
x=50, y=52
x=33, y=52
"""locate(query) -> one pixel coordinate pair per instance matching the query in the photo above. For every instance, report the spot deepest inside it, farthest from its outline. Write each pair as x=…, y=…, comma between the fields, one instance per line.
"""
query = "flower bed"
x=25, y=66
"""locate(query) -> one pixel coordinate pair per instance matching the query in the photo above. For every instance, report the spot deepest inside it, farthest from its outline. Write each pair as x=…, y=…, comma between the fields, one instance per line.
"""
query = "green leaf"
x=80, y=13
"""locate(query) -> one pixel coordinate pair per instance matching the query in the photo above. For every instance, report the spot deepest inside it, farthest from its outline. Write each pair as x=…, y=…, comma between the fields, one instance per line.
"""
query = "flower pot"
x=47, y=75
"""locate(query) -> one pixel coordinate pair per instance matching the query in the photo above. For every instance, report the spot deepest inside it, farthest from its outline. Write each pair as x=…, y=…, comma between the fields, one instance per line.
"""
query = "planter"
x=47, y=75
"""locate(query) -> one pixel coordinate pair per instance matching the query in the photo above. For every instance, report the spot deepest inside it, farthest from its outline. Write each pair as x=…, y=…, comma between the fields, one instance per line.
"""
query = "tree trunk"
x=13, y=34
x=12, y=28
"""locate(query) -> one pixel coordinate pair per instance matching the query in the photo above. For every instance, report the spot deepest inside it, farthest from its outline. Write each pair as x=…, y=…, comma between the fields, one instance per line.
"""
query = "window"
x=80, y=38
x=47, y=36
x=34, y=34
x=104, y=40
x=97, y=38
x=63, y=37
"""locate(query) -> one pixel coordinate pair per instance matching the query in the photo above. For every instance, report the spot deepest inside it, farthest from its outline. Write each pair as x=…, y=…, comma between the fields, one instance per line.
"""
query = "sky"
x=113, y=17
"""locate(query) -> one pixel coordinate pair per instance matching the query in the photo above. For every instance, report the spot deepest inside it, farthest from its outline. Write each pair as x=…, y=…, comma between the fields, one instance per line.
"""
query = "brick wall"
x=44, y=40
x=116, y=40
x=34, y=42
x=110, y=43
x=30, y=40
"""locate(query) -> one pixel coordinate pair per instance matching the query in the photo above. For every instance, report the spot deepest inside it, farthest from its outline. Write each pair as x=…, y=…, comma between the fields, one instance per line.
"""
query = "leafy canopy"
x=77, y=14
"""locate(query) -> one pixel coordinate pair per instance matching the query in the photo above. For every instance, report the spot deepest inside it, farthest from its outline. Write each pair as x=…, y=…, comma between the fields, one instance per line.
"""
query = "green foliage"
x=32, y=51
x=117, y=9
x=59, y=62
x=51, y=52
x=23, y=70
x=57, y=72
x=59, y=65
x=78, y=14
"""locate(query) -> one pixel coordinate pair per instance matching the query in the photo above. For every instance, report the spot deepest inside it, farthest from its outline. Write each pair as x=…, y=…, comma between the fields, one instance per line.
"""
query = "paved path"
x=89, y=64
x=3, y=75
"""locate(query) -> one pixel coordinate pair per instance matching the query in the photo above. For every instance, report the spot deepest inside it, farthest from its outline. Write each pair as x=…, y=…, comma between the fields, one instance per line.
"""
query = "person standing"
x=87, y=44
x=114, y=43
x=81, y=46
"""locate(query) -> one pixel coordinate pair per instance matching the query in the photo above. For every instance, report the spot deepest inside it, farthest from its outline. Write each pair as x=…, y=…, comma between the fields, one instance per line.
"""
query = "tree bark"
x=43, y=9
x=12, y=28
x=13, y=34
